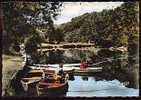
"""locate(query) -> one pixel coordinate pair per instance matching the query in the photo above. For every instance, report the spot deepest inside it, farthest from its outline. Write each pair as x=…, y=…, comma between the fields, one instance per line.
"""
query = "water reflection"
x=111, y=69
x=84, y=78
x=67, y=56
x=53, y=57
x=91, y=88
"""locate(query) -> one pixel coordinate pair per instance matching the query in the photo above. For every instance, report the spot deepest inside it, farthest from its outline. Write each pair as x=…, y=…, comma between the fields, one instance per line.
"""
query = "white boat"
x=51, y=68
x=73, y=68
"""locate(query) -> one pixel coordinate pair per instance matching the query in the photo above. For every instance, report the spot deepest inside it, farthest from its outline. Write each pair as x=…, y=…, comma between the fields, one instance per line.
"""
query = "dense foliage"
x=106, y=28
x=21, y=19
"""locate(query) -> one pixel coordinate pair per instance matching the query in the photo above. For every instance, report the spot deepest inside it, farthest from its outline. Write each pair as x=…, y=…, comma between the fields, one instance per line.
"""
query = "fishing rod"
x=109, y=59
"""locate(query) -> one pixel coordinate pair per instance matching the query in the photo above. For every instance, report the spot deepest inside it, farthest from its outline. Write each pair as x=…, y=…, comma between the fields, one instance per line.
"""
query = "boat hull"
x=50, y=69
x=30, y=80
x=30, y=89
x=87, y=72
x=52, y=91
x=29, y=86
x=53, y=86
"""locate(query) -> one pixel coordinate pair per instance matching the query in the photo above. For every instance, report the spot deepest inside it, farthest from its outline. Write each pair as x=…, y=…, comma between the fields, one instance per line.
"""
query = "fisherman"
x=83, y=64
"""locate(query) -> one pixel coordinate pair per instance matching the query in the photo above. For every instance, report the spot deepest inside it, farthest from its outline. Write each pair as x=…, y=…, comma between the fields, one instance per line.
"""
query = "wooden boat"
x=30, y=80
x=69, y=69
x=52, y=69
x=51, y=87
x=87, y=71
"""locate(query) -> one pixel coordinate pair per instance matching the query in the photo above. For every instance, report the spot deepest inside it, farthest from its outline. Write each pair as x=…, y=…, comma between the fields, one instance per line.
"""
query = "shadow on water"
x=54, y=57
x=84, y=78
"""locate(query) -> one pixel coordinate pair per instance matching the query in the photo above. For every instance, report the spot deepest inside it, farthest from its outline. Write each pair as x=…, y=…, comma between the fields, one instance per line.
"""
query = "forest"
x=107, y=28
x=23, y=23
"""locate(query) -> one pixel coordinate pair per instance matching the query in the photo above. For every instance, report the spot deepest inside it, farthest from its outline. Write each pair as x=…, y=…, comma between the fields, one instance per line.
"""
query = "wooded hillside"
x=106, y=28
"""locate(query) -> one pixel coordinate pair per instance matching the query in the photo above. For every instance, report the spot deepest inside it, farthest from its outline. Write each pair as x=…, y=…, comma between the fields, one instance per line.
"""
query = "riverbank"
x=11, y=64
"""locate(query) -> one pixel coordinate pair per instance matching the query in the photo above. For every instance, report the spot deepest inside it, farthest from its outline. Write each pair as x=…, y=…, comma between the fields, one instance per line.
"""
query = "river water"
x=111, y=79
x=102, y=88
x=107, y=83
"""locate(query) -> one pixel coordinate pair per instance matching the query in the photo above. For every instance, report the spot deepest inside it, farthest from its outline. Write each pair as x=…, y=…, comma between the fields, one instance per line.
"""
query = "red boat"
x=51, y=86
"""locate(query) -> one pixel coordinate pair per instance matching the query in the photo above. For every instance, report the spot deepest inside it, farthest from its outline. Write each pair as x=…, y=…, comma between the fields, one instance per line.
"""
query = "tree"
x=106, y=27
x=22, y=18
x=133, y=43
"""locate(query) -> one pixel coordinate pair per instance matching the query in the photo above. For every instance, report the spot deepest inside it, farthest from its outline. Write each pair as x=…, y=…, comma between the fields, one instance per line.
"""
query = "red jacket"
x=83, y=65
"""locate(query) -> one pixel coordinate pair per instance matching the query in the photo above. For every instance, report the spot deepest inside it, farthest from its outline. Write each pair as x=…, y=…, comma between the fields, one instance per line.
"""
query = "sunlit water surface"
x=103, y=88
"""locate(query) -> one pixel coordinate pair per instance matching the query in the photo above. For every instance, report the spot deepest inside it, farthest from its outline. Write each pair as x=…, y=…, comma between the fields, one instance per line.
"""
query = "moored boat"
x=51, y=87
x=87, y=71
x=30, y=80
x=51, y=68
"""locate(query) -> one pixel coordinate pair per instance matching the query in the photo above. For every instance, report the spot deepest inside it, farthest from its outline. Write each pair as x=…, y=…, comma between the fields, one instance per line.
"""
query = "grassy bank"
x=10, y=65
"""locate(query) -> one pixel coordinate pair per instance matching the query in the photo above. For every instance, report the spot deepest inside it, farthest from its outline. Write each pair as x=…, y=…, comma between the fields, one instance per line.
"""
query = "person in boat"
x=61, y=73
x=83, y=64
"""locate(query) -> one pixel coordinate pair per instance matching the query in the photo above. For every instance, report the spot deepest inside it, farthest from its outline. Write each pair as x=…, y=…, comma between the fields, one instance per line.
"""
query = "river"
x=101, y=88
x=110, y=82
